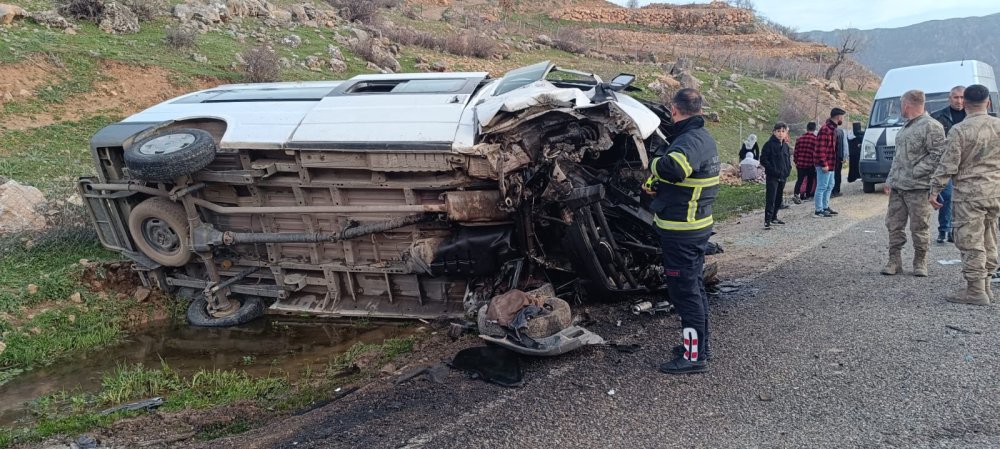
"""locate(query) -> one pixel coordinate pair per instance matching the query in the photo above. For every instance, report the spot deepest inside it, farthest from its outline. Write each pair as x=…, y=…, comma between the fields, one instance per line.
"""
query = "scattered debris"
x=611, y=392
x=626, y=349
x=435, y=373
x=650, y=308
x=565, y=341
x=84, y=442
x=492, y=364
x=456, y=330
x=765, y=397
x=950, y=262
x=145, y=404
x=961, y=330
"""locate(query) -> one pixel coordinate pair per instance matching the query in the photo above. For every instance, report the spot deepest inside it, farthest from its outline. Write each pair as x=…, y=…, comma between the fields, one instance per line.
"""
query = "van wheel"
x=251, y=308
x=159, y=228
x=868, y=187
x=165, y=156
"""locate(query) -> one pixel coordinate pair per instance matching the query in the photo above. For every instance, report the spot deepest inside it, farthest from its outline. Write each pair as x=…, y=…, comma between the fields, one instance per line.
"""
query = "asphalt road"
x=815, y=349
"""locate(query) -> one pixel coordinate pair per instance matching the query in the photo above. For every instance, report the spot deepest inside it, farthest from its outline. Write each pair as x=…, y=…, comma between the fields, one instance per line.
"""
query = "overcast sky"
x=863, y=14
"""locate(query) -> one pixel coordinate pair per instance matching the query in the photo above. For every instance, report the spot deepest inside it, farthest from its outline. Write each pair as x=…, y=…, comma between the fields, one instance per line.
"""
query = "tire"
x=251, y=308
x=868, y=187
x=165, y=156
x=159, y=228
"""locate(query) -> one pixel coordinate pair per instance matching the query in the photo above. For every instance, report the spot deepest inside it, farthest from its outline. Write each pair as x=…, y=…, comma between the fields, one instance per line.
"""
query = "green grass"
x=50, y=157
x=734, y=200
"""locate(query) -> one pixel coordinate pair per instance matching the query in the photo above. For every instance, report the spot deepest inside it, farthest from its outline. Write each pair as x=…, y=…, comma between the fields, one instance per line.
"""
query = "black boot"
x=951, y=237
x=689, y=360
x=681, y=365
x=941, y=236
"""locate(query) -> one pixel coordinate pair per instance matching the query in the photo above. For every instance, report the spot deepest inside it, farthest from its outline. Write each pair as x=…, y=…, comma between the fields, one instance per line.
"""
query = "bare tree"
x=848, y=46
x=632, y=4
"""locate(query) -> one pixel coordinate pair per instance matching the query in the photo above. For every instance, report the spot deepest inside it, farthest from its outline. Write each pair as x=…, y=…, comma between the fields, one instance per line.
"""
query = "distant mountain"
x=923, y=43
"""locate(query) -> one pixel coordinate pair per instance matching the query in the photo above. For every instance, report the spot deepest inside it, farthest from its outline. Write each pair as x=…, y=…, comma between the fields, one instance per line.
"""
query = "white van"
x=936, y=80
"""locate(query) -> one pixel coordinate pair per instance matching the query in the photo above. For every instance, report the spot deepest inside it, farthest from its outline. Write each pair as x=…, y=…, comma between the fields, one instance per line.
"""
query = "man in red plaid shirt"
x=826, y=162
x=805, y=149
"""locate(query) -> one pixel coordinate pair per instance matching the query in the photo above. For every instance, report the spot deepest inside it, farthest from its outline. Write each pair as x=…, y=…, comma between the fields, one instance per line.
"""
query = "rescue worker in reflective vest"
x=685, y=180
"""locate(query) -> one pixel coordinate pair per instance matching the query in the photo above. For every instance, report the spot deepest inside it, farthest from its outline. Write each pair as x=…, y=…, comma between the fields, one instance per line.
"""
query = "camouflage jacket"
x=972, y=158
x=918, y=150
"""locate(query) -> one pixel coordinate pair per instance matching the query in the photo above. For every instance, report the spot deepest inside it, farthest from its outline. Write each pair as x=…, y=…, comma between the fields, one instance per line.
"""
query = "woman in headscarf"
x=750, y=146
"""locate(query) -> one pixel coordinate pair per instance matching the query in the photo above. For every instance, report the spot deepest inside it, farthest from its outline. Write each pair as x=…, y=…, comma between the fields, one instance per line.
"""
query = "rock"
x=439, y=66
x=298, y=13
x=544, y=40
x=249, y=8
x=680, y=66
x=334, y=52
x=292, y=40
x=3, y=347
x=6, y=97
x=22, y=208
x=198, y=57
x=832, y=86
x=688, y=80
x=281, y=17
x=735, y=77
x=670, y=82
x=32, y=289
x=388, y=369
x=70, y=31
x=75, y=200
x=732, y=85
x=118, y=19
x=358, y=34
x=53, y=19
x=10, y=12
x=24, y=93
x=142, y=293
x=751, y=121
x=285, y=63
x=338, y=65
x=313, y=63
x=713, y=116
x=76, y=298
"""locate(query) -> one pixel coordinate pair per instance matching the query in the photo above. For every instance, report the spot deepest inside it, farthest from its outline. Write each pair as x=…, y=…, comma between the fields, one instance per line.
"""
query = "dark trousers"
x=805, y=185
x=774, y=190
x=683, y=261
x=836, y=175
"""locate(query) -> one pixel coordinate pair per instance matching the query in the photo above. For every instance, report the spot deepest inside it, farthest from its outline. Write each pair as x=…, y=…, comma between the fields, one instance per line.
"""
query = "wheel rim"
x=170, y=143
x=160, y=236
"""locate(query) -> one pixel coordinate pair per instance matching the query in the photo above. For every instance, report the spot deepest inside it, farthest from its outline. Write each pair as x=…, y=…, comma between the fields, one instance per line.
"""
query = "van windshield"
x=887, y=112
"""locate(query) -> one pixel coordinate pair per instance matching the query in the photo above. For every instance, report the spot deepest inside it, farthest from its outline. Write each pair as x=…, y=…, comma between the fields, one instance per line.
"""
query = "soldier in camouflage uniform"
x=972, y=160
x=918, y=149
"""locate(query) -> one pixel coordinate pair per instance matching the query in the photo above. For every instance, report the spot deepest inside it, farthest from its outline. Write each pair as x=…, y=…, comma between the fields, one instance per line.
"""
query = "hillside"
x=67, y=72
x=923, y=43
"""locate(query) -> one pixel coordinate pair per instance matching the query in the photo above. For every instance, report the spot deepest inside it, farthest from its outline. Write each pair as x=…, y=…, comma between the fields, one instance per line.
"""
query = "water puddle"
x=269, y=346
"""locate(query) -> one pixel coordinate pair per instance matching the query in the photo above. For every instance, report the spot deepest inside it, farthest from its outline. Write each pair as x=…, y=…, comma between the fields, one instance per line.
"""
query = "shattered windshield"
x=522, y=77
x=887, y=112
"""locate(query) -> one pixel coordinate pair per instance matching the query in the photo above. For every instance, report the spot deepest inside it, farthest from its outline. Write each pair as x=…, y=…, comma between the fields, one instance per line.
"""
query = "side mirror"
x=621, y=81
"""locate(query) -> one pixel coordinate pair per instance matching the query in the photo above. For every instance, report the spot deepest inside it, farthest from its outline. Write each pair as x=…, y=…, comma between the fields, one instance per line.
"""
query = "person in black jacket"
x=685, y=180
x=776, y=159
x=854, y=152
x=949, y=116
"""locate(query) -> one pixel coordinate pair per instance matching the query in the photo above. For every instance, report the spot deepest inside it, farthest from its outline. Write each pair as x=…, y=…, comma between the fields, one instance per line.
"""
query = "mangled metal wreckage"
x=397, y=196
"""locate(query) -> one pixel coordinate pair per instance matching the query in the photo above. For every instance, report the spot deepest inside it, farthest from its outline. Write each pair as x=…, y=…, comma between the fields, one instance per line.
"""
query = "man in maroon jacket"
x=805, y=152
x=826, y=162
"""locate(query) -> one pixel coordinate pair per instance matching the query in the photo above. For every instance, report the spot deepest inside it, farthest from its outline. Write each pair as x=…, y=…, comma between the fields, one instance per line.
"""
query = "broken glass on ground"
x=564, y=341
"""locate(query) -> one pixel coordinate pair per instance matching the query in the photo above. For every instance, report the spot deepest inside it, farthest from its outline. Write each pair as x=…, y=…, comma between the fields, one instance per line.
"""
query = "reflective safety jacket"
x=685, y=177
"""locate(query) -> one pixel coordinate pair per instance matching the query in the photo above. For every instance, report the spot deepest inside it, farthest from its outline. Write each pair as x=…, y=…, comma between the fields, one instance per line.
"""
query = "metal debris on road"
x=435, y=373
x=950, y=262
x=491, y=363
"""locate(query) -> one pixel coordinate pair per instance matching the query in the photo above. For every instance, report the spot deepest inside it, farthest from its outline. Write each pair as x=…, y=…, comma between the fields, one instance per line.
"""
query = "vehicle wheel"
x=165, y=156
x=251, y=308
x=159, y=228
x=868, y=187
